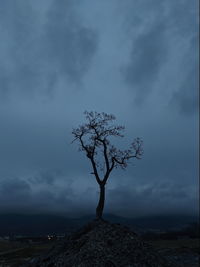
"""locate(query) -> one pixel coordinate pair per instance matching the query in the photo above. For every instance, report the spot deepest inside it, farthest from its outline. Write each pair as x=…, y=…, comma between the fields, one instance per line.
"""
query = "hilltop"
x=101, y=243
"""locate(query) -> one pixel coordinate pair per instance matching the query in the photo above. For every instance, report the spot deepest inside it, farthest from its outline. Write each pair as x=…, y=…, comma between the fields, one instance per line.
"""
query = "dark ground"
x=184, y=252
x=15, y=253
x=180, y=247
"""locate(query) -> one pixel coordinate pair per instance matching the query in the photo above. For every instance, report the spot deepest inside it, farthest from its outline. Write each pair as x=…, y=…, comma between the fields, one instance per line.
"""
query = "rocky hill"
x=104, y=244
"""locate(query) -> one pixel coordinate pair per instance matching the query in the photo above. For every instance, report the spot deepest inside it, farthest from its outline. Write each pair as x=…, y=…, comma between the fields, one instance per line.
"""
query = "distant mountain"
x=164, y=222
x=18, y=224
x=159, y=222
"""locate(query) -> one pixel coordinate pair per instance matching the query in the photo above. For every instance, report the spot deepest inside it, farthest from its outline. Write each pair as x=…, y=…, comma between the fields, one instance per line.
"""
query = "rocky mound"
x=104, y=244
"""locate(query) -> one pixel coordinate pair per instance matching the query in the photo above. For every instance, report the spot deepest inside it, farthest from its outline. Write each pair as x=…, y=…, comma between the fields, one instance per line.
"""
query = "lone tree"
x=93, y=138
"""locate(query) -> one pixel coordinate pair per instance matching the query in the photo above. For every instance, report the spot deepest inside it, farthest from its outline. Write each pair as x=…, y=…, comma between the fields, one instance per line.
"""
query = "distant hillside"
x=167, y=222
x=162, y=222
x=18, y=224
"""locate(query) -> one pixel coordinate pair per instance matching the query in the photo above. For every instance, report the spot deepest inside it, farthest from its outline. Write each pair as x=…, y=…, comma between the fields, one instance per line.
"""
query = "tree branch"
x=95, y=134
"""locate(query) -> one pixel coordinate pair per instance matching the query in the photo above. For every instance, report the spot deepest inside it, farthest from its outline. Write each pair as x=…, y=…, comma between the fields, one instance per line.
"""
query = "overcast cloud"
x=136, y=59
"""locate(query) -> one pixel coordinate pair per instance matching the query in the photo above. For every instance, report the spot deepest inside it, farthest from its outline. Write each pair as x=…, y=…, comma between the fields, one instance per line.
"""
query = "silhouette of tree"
x=93, y=138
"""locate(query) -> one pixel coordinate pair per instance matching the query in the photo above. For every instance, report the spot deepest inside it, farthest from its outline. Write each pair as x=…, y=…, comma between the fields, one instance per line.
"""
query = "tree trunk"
x=100, y=206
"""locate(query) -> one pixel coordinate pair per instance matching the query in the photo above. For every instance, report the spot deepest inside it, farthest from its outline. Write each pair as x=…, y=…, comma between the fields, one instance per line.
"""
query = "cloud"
x=17, y=51
x=152, y=199
x=147, y=32
x=18, y=195
x=148, y=53
x=45, y=177
x=163, y=51
x=58, y=58
x=75, y=197
x=14, y=194
x=14, y=187
x=68, y=45
x=40, y=48
x=55, y=177
x=185, y=98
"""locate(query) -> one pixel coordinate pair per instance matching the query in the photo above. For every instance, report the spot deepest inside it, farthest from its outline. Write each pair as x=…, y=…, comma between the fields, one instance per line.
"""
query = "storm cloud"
x=39, y=46
x=135, y=59
x=166, y=46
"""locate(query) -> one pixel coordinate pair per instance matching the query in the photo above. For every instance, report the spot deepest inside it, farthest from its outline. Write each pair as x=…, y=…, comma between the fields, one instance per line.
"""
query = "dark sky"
x=137, y=59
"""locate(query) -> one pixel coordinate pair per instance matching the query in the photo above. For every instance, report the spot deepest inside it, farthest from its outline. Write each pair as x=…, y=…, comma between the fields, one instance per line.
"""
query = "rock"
x=102, y=244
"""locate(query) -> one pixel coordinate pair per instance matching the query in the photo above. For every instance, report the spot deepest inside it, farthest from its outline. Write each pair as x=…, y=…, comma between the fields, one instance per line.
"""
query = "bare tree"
x=93, y=138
